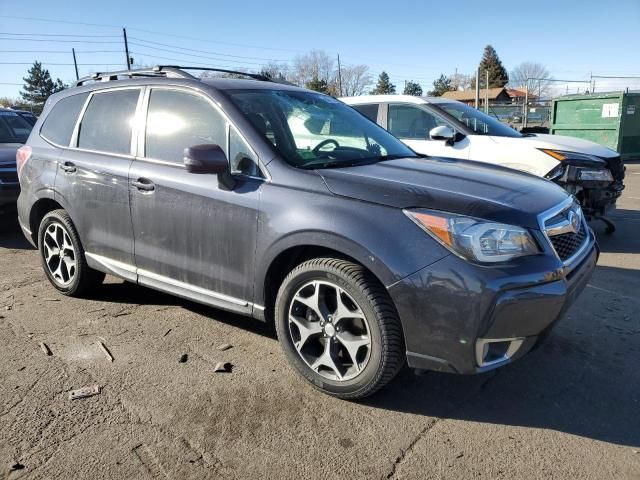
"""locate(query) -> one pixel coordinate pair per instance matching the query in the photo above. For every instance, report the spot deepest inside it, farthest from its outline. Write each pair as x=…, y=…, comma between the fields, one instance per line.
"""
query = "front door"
x=412, y=124
x=192, y=237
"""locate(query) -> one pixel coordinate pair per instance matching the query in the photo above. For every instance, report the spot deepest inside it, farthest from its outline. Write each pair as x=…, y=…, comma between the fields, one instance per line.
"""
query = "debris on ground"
x=105, y=350
x=45, y=348
x=183, y=358
x=84, y=392
x=8, y=307
x=223, y=367
x=167, y=332
x=51, y=299
x=223, y=347
x=96, y=310
x=16, y=466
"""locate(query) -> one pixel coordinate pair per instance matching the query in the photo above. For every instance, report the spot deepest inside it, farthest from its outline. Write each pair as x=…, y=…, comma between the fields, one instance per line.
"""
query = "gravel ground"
x=569, y=410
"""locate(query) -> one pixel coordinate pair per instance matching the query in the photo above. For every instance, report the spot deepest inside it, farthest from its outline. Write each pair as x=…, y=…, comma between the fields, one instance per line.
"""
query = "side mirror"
x=209, y=158
x=443, y=132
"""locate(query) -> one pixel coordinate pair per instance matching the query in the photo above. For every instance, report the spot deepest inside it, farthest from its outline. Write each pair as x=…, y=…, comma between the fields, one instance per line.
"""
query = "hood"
x=455, y=186
x=8, y=153
x=560, y=142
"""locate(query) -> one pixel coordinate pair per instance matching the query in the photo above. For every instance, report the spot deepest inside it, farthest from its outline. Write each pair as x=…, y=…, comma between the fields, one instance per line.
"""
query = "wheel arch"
x=299, y=248
x=39, y=209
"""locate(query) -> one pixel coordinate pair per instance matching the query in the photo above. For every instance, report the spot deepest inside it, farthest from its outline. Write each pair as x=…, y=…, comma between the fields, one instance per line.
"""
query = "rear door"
x=412, y=124
x=193, y=237
x=93, y=174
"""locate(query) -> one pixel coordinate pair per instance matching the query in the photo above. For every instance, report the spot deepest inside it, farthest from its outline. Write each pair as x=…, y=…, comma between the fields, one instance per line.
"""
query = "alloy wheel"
x=59, y=254
x=329, y=331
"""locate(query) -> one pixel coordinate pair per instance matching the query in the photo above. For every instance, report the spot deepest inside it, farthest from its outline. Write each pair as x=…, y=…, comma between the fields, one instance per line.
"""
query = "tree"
x=318, y=85
x=38, y=86
x=412, y=88
x=460, y=81
x=441, y=85
x=275, y=71
x=315, y=65
x=498, y=76
x=384, y=85
x=532, y=76
x=355, y=80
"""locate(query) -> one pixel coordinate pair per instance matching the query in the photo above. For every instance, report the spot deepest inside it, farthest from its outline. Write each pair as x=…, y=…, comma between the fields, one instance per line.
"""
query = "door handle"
x=68, y=167
x=144, y=185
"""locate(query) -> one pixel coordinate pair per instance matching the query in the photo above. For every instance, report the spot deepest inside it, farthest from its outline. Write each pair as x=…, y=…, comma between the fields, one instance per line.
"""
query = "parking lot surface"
x=571, y=409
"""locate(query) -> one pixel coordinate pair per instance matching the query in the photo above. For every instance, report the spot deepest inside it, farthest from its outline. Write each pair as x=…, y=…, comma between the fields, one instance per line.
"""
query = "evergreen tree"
x=384, y=85
x=38, y=86
x=318, y=85
x=498, y=76
x=412, y=88
x=441, y=85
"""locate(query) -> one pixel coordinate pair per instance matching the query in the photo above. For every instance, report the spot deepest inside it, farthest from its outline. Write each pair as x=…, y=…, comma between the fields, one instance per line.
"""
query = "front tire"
x=339, y=328
x=63, y=257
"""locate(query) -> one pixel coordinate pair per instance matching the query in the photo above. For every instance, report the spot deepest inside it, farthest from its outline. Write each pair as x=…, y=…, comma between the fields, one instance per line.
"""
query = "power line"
x=55, y=40
x=60, y=51
x=181, y=60
x=243, y=62
x=59, y=64
x=203, y=51
x=56, y=35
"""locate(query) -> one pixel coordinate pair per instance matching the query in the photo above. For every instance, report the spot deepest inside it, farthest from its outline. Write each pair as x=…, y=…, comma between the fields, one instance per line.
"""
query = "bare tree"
x=275, y=71
x=461, y=81
x=314, y=66
x=539, y=82
x=356, y=79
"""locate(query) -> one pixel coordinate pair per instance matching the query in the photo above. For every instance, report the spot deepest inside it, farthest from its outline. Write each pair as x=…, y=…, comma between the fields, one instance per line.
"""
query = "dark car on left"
x=14, y=131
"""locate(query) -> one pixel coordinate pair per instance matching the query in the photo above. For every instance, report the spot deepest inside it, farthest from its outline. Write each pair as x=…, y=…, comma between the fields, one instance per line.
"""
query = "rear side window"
x=59, y=124
x=106, y=125
x=177, y=120
x=369, y=111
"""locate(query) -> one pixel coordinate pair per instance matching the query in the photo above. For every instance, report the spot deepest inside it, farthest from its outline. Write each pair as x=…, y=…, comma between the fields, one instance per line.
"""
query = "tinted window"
x=369, y=111
x=409, y=121
x=59, y=124
x=477, y=121
x=177, y=120
x=106, y=125
x=14, y=128
x=241, y=157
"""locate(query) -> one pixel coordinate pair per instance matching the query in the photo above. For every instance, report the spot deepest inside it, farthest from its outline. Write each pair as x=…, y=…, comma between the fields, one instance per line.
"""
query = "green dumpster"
x=610, y=119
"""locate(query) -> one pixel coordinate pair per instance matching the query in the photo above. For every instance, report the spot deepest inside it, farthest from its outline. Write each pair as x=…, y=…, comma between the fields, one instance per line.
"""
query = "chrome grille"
x=567, y=231
x=566, y=244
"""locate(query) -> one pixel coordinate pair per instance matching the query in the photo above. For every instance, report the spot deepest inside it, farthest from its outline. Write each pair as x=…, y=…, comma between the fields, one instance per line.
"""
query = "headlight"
x=561, y=155
x=603, y=175
x=475, y=239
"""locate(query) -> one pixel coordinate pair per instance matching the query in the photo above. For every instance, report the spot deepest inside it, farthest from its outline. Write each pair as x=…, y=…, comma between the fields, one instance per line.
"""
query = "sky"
x=410, y=40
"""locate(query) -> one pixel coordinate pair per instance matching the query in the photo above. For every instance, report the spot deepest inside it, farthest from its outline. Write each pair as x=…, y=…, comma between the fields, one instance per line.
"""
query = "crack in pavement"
x=406, y=451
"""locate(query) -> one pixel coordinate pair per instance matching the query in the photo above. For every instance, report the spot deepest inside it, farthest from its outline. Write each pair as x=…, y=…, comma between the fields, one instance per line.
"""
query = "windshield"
x=479, y=122
x=13, y=128
x=311, y=130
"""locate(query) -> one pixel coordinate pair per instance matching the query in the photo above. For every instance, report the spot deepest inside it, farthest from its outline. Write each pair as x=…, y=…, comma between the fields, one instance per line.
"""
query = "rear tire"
x=339, y=328
x=62, y=256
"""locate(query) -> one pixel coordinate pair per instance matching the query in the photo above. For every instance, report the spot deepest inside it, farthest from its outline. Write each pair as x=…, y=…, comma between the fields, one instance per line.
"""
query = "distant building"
x=495, y=95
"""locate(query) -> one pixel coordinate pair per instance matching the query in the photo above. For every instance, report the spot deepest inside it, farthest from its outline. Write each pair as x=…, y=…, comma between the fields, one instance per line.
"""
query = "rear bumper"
x=456, y=315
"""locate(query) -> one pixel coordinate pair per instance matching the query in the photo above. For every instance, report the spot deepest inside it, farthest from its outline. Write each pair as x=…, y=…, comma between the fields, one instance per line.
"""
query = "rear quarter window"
x=58, y=126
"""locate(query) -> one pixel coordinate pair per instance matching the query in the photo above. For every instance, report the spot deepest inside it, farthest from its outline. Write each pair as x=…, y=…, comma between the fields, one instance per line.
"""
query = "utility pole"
x=478, y=88
x=126, y=48
x=525, y=113
x=486, y=94
x=75, y=63
x=339, y=76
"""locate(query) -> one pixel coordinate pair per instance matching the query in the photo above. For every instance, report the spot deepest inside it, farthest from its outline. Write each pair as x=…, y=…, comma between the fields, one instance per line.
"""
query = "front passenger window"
x=177, y=120
x=411, y=122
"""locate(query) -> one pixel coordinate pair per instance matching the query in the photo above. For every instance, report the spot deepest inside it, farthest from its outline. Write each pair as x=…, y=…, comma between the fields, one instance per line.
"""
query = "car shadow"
x=10, y=234
x=130, y=293
x=625, y=239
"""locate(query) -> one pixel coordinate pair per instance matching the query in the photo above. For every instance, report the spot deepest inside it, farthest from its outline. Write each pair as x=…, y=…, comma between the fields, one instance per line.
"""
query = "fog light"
x=492, y=351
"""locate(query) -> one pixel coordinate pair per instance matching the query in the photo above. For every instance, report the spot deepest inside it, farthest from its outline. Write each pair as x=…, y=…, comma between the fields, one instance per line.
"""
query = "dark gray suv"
x=289, y=206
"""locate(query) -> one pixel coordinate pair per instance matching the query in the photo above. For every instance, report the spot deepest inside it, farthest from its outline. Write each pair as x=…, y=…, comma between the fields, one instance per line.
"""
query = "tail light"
x=22, y=155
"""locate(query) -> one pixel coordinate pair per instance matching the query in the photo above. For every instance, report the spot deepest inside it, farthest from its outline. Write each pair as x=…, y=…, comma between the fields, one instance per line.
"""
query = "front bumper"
x=453, y=312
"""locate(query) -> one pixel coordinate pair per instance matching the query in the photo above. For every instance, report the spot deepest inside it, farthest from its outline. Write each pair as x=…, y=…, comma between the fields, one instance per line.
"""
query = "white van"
x=442, y=127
